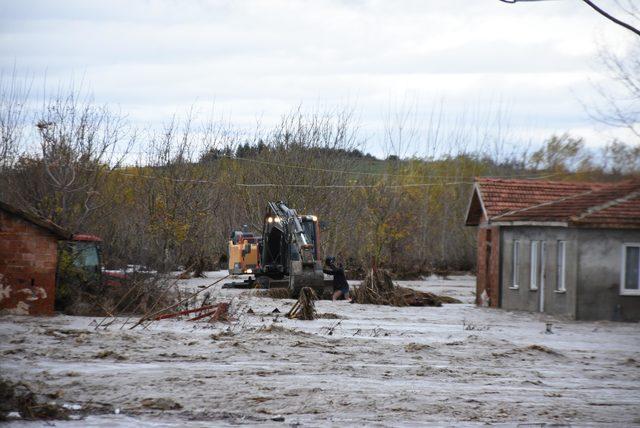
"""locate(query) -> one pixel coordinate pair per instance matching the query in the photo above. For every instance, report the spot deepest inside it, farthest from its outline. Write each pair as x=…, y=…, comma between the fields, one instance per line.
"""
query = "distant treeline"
x=248, y=150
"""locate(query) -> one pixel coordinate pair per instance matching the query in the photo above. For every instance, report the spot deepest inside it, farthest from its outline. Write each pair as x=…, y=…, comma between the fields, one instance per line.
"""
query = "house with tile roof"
x=568, y=249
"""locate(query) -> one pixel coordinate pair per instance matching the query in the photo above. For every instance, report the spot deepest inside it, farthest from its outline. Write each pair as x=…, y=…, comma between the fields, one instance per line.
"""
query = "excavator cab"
x=290, y=252
x=277, y=251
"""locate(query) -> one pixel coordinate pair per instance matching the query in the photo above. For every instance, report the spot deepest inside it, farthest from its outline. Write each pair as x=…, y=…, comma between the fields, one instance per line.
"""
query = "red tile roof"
x=579, y=204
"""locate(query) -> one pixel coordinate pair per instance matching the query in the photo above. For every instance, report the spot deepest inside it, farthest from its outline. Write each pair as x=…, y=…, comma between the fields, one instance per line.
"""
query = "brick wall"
x=488, y=267
x=28, y=258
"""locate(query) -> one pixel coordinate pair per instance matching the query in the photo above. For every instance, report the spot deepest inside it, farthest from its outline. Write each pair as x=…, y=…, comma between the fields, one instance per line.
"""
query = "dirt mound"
x=531, y=350
x=18, y=397
x=109, y=354
x=161, y=404
x=416, y=347
x=540, y=348
x=281, y=330
x=378, y=288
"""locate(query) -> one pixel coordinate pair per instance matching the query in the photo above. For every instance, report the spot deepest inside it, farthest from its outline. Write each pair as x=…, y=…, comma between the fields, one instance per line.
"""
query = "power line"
x=351, y=186
x=294, y=185
x=352, y=172
x=340, y=171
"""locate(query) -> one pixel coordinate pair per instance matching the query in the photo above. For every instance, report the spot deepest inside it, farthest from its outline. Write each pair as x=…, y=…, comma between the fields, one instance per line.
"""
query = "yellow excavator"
x=243, y=252
x=286, y=256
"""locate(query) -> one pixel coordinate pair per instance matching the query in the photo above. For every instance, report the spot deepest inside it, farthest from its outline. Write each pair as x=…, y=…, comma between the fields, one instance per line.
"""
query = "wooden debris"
x=221, y=313
x=185, y=312
x=304, y=308
x=149, y=317
x=378, y=289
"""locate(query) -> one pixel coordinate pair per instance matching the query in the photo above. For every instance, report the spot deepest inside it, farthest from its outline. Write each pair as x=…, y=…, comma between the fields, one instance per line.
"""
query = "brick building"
x=570, y=249
x=28, y=260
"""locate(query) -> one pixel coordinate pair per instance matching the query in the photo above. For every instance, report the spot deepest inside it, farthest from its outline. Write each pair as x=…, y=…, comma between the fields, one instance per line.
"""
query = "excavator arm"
x=296, y=249
x=298, y=239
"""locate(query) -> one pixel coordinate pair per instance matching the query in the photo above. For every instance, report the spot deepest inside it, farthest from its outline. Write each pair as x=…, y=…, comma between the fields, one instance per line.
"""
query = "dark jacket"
x=339, y=279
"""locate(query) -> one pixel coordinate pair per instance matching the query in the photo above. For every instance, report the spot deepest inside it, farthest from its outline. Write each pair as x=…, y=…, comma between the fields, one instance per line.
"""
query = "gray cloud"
x=262, y=58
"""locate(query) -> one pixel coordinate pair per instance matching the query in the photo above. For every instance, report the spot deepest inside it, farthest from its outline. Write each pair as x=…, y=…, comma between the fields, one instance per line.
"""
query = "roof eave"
x=485, y=216
x=531, y=223
x=38, y=221
x=593, y=225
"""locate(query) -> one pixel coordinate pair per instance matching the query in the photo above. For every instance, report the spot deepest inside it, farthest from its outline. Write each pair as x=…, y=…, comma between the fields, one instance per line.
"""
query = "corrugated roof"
x=579, y=204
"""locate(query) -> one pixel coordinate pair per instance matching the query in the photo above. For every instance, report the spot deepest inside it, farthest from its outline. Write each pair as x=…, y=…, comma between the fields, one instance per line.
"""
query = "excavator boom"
x=290, y=249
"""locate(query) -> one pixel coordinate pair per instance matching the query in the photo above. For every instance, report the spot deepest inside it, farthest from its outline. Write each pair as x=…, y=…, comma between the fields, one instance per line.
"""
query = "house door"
x=543, y=273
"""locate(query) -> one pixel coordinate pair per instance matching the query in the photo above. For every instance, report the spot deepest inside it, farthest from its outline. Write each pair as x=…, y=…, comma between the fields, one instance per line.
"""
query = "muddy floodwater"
x=456, y=365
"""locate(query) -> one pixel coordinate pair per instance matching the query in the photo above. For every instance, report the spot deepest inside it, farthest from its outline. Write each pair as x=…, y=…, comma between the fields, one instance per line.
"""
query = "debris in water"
x=161, y=404
x=378, y=288
x=304, y=308
x=17, y=400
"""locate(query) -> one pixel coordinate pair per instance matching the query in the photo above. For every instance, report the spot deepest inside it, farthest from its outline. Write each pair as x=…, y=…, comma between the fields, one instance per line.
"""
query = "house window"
x=516, y=264
x=533, y=282
x=630, y=269
x=561, y=266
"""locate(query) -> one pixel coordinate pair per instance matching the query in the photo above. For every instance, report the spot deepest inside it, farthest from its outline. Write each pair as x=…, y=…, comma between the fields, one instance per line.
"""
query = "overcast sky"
x=256, y=60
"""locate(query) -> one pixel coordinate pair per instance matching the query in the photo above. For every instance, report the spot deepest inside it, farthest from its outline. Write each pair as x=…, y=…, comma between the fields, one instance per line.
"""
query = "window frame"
x=561, y=275
x=623, y=270
x=534, y=262
x=543, y=274
x=515, y=265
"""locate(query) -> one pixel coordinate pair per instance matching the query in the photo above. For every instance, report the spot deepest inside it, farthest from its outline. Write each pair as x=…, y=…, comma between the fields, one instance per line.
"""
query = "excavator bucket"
x=305, y=276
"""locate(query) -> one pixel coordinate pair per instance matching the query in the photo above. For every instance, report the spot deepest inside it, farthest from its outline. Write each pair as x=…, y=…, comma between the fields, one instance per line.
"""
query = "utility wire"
x=351, y=172
x=351, y=186
x=314, y=186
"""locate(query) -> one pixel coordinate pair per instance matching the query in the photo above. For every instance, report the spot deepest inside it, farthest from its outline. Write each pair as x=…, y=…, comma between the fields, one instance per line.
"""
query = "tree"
x=78, y=144
x=622, y=96
x=631, y=8
x=13, y=97
x=561, y=154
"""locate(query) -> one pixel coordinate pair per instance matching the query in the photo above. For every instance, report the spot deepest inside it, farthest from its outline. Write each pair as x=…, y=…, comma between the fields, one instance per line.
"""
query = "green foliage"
x=179, y=207
x=562, y=154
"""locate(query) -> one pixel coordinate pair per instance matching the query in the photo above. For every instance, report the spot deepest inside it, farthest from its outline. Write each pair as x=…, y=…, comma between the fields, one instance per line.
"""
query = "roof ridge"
x=536, y=181
x=606, y=205
x=542, y=204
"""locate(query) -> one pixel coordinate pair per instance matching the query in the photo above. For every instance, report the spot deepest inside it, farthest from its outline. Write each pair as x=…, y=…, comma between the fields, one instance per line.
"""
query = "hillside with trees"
x=171, y=198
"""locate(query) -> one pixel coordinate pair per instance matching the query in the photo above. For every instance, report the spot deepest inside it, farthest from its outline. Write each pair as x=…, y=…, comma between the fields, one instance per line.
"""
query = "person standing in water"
x=340, y=284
